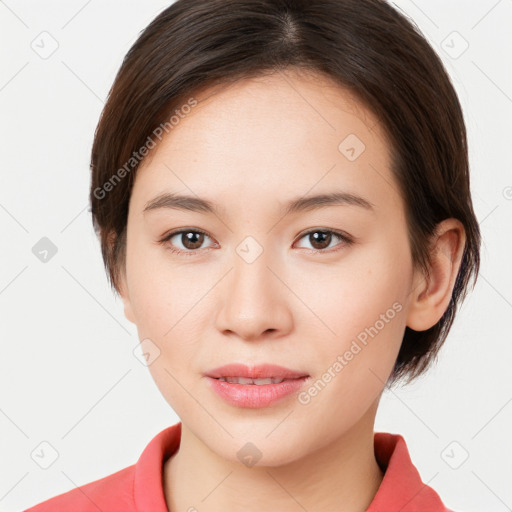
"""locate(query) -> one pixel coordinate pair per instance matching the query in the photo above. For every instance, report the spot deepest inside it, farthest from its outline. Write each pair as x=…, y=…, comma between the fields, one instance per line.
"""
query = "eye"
x=321, y=239
x=190, y=239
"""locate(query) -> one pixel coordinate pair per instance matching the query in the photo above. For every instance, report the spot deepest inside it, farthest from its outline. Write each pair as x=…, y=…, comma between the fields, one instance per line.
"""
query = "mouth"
x=256, y=392
x=258, y=375
x=255, y=382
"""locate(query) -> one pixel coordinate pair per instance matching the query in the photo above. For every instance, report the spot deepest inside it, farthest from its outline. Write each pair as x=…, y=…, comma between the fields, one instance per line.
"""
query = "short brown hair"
x=365, y=46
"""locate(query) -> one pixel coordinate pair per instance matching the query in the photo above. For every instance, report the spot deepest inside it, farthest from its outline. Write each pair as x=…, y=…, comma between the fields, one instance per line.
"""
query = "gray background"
x=68, y=373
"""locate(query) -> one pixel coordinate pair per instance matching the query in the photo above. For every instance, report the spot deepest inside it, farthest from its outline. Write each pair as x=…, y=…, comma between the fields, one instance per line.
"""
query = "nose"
x=255, y=304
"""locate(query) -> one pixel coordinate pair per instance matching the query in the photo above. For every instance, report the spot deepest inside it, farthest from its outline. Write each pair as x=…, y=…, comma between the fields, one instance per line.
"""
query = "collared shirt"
x=139, y=488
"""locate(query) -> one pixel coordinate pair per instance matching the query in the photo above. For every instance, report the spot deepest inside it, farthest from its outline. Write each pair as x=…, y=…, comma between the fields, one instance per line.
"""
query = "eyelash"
x=346, y=240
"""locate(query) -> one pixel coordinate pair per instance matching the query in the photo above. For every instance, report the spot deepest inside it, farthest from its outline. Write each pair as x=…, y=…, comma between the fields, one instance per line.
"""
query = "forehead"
x=281, y=135
x=295, y=104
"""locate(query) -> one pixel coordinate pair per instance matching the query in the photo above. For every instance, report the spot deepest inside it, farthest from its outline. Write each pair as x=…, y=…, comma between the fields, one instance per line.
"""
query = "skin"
x=250, y=147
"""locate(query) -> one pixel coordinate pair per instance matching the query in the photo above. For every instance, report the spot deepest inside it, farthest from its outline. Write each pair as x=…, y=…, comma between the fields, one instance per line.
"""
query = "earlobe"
x=128, y=313
x=431, y=294
x=125, y=296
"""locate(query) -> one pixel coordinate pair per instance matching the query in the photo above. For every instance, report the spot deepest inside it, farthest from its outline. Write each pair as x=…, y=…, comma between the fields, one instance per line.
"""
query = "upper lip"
x=262, y=371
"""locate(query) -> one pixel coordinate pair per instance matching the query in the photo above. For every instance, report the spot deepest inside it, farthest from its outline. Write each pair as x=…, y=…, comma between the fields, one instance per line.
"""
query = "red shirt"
x=139, y=488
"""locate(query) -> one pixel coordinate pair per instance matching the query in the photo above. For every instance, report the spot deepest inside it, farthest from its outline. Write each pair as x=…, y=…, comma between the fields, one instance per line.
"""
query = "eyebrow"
x=301, y=204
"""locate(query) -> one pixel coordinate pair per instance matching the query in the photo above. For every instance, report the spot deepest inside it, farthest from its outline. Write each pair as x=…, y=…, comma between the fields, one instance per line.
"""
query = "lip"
x=253, y=396
x=261, y=371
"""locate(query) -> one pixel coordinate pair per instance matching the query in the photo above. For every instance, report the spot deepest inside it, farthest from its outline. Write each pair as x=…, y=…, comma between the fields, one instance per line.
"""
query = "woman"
x=281, y=191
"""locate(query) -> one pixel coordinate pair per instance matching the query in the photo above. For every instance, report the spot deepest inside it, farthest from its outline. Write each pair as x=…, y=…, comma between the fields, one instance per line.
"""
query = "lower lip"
x=253, y=396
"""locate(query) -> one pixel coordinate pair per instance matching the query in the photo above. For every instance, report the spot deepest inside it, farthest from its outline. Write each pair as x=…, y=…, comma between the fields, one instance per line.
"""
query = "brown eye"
x=185, y=241
x=192, y=239
x=321, y=239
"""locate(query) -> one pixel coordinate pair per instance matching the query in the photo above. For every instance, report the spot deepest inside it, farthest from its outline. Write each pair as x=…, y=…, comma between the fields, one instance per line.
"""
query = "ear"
x=125, y=295
x=431, y=295
x=121, y=281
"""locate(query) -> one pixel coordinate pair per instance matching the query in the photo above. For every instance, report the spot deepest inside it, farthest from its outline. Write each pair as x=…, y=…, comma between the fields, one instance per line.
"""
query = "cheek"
x=168, y=312
x=351, y=296
x=168, y=302
x=363, y=305
x=161, y=292
x=352, y=368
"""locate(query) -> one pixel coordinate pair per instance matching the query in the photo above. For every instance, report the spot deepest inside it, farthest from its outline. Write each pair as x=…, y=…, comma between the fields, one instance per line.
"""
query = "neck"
x=343, y=475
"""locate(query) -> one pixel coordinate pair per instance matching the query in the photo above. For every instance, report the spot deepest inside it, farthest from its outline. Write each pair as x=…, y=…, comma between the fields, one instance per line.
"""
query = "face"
x=322, y=288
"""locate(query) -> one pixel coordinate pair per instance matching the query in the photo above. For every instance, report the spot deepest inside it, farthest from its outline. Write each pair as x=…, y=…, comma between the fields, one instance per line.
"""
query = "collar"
x=401, y=489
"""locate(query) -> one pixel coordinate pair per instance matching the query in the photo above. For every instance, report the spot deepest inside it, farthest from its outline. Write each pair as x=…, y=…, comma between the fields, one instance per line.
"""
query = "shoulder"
x=136, y=487
x=112, y=493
